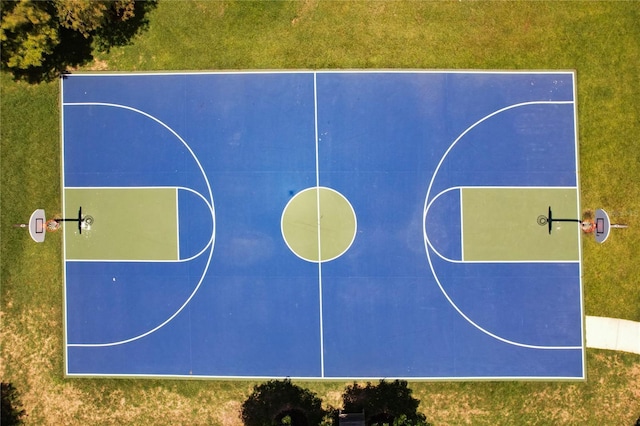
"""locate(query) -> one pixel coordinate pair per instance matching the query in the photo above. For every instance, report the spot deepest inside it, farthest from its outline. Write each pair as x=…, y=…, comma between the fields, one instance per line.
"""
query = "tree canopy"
x=28, y=33
x=12, y=412
x=39, y=39
x=278, y=402
x=88, y=16
x=387, y=403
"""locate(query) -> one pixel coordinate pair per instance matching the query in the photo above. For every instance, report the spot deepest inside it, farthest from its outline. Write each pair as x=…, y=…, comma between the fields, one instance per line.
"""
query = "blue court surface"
x=330, y=224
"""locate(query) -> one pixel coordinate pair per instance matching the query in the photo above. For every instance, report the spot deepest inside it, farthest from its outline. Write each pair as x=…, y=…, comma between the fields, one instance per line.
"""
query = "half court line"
x=315, y=112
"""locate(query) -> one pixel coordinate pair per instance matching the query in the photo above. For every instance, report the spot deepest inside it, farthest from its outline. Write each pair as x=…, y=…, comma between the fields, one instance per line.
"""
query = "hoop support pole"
x=79, y=219
x=550, y=220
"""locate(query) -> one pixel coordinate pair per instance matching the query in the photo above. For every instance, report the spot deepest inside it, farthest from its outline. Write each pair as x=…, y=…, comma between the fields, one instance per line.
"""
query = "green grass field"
x=600, y=40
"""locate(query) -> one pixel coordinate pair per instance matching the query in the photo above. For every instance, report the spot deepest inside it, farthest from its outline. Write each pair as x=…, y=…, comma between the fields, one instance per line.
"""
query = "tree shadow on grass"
x=120, y=33
x=75, y=50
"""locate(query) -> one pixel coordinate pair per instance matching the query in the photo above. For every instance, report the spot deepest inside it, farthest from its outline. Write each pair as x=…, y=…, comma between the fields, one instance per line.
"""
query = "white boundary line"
x=311, y=71
x=336, y=378
x=577, y=151
x=496, y=72
x=64, y=242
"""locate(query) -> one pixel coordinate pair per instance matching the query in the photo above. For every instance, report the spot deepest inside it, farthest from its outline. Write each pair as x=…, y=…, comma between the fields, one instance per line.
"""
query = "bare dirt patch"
x=304, y=11
x=98, y=65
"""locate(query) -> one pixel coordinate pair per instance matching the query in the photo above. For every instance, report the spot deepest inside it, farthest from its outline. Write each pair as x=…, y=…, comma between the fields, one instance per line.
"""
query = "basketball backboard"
x=38, y=225
x=603, y=225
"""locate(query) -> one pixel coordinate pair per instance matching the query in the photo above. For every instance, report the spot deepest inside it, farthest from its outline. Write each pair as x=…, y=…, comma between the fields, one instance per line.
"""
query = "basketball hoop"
x=38, y=225
x=52, y=225
x=600, y=226
x=549, y=219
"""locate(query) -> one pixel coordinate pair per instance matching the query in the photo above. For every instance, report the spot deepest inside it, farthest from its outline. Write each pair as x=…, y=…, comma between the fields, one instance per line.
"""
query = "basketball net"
x=52, y=225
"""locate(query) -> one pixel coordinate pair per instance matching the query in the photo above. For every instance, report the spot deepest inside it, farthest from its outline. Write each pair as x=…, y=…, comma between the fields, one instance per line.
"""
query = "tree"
x=83, y=16
x=28, y=33
x=12, y=412
x=279, y=402
x=40, y=39
x=388, y=403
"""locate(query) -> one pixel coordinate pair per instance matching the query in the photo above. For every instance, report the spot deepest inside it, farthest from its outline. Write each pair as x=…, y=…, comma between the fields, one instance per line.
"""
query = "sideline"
x=613, y=333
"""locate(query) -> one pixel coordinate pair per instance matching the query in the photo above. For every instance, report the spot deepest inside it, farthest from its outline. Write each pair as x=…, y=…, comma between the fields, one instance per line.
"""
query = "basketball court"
x=322, y=225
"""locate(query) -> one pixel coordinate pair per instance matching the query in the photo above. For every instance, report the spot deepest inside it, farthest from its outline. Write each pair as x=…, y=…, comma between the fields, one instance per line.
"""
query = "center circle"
x=318, y=224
